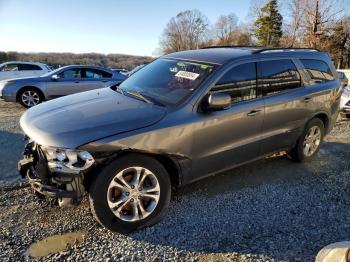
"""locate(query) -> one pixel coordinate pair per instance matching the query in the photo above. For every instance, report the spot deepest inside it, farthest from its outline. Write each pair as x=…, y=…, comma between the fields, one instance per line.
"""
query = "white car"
x=345, y=102
x=17, y=69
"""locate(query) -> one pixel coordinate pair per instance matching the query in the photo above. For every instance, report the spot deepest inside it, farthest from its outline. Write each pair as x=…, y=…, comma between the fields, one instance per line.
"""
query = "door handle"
x=76, y=81
x=254, y=112
x=307, y=99
x=104, y=81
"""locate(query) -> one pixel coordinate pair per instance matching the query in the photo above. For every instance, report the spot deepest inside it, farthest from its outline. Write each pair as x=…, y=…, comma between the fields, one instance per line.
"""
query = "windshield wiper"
x=119, y=90
x=138, y=96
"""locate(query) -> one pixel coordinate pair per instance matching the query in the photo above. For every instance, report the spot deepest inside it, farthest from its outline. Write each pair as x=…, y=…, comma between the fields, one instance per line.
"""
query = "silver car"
x=60, y=82
x=345, y=102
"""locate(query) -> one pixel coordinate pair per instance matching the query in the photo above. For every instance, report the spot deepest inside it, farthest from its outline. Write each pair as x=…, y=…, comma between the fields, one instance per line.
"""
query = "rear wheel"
x=30, y=97
x=131, y=193
x=309, y=142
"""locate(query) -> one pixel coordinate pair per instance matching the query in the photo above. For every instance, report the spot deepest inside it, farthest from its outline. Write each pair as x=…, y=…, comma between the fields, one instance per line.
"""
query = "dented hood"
x=74, y=120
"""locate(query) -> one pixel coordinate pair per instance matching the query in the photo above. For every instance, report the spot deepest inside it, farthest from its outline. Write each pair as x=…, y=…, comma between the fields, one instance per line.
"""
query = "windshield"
x=167, y=81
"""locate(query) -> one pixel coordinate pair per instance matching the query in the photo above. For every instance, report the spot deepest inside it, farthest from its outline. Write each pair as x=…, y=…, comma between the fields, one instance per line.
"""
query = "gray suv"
x=66, y=80
x=182, y=117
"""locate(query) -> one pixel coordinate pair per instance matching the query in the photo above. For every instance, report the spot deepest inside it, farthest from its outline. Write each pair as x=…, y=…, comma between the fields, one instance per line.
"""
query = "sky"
x=104, y=26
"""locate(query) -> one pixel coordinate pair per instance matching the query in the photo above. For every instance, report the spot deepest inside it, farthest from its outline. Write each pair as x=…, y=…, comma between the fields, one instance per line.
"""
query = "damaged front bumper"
x=55, y=172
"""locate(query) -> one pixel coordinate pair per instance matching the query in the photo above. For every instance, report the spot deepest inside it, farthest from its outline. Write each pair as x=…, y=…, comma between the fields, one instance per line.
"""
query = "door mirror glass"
x=55, y=77
x=218, y=101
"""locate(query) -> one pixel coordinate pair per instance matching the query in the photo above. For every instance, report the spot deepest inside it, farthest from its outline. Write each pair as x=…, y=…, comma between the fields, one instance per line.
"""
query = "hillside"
x=60, y=59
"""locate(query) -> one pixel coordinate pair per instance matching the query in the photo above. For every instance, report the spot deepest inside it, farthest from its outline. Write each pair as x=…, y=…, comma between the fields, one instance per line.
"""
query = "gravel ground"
x=271, y=210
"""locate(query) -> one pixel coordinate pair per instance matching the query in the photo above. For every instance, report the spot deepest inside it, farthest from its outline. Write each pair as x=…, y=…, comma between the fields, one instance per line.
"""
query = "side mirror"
x=218, y=101
x=55, y=77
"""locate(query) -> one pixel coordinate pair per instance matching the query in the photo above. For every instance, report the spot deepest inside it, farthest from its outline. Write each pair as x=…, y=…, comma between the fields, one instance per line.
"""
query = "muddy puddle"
x=54, y=244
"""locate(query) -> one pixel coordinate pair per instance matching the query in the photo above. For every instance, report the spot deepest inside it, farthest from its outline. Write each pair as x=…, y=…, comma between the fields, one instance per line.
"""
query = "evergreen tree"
x=268, y=25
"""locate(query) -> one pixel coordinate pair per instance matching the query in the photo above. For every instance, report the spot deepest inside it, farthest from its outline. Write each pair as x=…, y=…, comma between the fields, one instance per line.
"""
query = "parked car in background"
x=184, y=116
x=133, y=71
x=17, y=69
x=343, y=79
x=345, y=102
x=120, y=70
x=60, y=82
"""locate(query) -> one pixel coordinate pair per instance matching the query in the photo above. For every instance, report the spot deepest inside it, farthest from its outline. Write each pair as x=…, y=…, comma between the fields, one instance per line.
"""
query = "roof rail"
x=231, y=46
x=290, y=49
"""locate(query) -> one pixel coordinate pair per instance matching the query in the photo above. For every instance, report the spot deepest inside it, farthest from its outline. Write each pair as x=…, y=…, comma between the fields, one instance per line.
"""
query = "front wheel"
x=309, y=142
x=131, y=193
x=30, y=97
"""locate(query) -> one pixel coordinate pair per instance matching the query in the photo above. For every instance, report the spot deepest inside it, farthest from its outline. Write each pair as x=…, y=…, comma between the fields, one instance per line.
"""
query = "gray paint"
x=201, y=143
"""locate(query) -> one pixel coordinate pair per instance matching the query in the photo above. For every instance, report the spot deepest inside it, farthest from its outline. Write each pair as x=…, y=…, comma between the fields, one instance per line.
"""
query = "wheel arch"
x=169, y=162
x=19, y=92
x=324, y=117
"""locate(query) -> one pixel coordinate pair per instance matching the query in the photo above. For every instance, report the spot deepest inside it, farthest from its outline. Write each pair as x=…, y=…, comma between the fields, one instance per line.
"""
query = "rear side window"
x=278, y=76
x=94, y=73
x=28, y=67
x=318, y=70
x=10, y=67
x=239, y=83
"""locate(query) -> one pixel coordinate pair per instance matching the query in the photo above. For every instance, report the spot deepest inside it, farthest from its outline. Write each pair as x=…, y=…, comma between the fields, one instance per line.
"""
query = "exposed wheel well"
x=324, y=118
x=168, y=163
x=29, y=87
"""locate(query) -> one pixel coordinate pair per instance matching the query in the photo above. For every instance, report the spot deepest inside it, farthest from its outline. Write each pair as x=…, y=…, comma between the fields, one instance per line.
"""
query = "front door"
x=70, y=81
x=225, y=138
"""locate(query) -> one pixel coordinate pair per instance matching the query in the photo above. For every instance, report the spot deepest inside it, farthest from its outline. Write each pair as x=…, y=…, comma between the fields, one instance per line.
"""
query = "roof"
x=23, y=62
x=86, y=66
x=221, y=55
x=210, y=55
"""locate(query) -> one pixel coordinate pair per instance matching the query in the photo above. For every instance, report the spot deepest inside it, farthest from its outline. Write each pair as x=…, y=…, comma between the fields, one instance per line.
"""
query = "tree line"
x=61, y=59
x=320, y=24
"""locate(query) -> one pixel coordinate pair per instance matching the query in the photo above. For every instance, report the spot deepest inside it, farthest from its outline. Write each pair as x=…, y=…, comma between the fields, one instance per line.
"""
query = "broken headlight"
x=67, y=160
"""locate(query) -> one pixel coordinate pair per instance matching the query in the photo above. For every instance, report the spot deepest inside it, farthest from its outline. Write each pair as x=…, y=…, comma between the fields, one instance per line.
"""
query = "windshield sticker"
x=187, y=75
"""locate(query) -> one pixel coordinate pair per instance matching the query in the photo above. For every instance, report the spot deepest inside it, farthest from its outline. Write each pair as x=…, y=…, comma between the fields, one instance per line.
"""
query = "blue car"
x=60, y=82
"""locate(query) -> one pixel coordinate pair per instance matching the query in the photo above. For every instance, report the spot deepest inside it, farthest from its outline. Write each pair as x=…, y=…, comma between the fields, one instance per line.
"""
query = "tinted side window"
x=94, y=73
x=26, y=67
x=318, y=70
x=239, y=83
x=277, y=76
x=71, y=73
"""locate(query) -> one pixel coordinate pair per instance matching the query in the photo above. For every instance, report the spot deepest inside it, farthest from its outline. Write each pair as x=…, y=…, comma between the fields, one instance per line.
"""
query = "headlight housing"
x=68, y=161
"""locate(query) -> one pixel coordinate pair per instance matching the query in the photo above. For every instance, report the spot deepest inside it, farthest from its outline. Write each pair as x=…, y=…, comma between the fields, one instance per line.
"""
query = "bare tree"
x=187, y=30
x=292, y=29
x=310, y=19
x=224, y=29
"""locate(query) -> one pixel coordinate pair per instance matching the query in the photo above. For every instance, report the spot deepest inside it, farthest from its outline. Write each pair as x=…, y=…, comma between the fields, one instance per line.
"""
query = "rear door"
x=95, y=78
x=9, y=71
x=232, y=136
x=287, y=103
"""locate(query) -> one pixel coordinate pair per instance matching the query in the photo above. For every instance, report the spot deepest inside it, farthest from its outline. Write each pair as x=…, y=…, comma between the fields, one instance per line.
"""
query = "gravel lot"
x=271, y=210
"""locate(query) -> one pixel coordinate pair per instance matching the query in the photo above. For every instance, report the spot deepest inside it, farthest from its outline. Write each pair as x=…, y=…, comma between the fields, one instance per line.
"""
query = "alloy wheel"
x=30, y=98
x=312, y=141
x=133, y=194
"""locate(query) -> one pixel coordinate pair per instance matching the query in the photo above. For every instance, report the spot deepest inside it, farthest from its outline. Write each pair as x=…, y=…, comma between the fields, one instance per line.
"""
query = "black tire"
x=98, y=193
x=32, y=90
x=297, y=153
